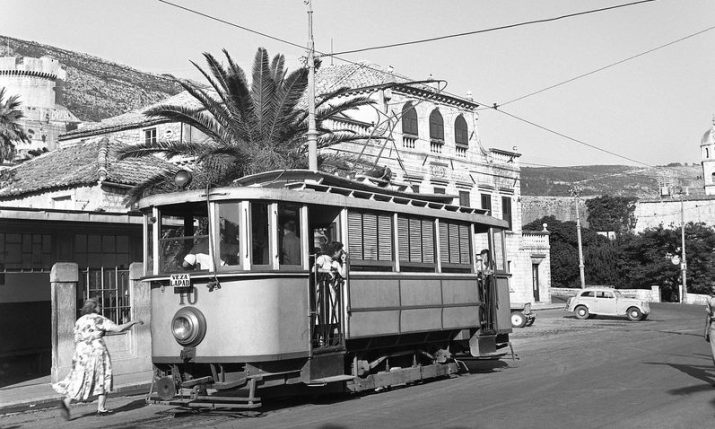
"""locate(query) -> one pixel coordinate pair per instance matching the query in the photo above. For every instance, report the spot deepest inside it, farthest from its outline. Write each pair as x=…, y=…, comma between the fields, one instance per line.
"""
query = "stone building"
x=433, y=146
x=692, y=205
x=37, y=81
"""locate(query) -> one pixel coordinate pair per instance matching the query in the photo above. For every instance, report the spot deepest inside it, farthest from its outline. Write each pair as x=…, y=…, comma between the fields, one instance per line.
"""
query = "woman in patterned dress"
x=91, y=373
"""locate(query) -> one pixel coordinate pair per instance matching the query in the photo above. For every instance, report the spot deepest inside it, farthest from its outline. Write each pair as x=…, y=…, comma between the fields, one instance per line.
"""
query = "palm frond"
x=160, y=182
x=262, y=87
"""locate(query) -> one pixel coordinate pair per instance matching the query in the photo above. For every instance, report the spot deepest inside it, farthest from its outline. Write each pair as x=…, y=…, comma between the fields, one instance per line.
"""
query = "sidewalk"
x=38, y=393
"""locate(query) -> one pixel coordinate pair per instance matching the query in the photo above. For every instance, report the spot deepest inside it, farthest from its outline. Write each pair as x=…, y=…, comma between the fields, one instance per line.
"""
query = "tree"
x=251, y=128
x=600, y=254
x=608, y=213
x=646, y=259
x=10, y=129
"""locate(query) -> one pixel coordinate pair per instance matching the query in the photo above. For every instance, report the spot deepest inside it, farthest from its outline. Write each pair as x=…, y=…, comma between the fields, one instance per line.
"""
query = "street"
x=596, y=373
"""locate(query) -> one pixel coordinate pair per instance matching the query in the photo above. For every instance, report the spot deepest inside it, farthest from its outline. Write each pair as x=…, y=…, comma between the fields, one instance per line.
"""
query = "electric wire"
x=556, y=85
x=385, y=72
x=487, y=30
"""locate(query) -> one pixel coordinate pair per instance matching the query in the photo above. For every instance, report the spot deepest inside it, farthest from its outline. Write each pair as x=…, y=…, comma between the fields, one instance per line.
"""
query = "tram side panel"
x=246, y=320
x=405, y=305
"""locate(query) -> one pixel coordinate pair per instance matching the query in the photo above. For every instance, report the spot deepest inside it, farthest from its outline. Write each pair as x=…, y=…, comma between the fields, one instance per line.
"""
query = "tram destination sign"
x=180, y=281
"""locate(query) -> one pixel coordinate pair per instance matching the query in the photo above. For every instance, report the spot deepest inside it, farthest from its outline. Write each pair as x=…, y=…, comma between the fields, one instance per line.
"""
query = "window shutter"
x=384, y=228
x=428, y=241
x=453, y=243
x=369, y=224
x=464, y=253
x=443, y=242
x=355, y=235
x=403, y=235
x=415, y=241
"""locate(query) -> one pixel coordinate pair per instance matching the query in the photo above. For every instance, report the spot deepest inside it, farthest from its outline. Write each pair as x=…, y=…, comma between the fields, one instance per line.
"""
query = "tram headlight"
x=188, y=326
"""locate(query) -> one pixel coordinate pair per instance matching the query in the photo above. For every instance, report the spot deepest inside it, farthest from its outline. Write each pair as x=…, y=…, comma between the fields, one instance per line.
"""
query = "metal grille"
x=111, y=289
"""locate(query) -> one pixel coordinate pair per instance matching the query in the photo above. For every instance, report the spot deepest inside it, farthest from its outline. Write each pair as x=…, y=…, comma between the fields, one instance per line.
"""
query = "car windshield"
x=618, y=294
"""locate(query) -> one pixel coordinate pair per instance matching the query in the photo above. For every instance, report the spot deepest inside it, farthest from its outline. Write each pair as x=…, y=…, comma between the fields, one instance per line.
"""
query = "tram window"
x=417, y=245
x=184, y=240
x=289, y=234
x=229, y=233
x=370, y=241
x=454, y=247
x=259, y=233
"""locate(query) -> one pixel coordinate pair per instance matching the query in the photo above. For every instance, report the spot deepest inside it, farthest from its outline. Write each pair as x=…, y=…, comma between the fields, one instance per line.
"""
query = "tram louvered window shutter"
x=464, y=253
x=384, y=228
x=355, y=235
x=443, y=242
x=453, y=243
x=415, y=240
x=428, y=241
x=369, y=225
x=403, y=237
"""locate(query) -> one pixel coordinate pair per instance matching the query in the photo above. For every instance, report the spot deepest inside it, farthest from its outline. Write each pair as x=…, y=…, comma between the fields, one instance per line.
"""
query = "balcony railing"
x=435, y=146
x=408, y=142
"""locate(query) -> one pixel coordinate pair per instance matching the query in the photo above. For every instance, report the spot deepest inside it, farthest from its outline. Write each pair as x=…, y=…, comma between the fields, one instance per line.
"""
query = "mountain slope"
x=615, y=180
x=95, y=88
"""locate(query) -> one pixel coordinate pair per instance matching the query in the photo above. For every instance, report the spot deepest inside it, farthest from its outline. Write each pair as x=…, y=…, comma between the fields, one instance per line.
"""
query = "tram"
x=238, y=305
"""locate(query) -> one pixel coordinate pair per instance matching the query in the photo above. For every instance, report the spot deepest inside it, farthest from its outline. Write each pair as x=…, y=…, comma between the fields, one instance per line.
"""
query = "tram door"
x=328, y=282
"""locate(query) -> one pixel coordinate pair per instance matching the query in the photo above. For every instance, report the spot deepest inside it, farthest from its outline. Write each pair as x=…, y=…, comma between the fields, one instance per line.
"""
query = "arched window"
x=461, y=132
x=436, y=126
x=409, y=120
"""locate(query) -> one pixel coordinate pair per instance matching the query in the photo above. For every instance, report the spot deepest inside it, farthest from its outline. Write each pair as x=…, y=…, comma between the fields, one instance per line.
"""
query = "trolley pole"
x=575, y=191
x=312, y=134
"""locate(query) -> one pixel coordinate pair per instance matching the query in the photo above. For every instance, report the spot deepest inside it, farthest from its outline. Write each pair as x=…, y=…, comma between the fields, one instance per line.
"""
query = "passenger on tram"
x=332, y=260
x=486, y=265
x=290, y=244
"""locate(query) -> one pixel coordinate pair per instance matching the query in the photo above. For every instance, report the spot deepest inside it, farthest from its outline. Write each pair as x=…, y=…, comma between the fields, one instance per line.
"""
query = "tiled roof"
x=130, y=119
x=81, y=164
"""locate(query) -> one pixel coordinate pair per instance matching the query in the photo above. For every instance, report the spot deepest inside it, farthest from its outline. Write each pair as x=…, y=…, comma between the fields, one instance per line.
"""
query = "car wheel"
x=518, y=320
x=634, y=314
x=581, y=312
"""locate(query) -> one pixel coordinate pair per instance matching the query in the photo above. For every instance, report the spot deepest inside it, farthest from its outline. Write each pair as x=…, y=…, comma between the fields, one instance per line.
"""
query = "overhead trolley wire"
x=384, y=72
x=605, y=67
x=487, y=30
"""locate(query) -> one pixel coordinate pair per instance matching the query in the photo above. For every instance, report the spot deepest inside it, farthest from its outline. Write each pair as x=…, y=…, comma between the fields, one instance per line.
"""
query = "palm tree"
x=10, y=129
x=250, y=128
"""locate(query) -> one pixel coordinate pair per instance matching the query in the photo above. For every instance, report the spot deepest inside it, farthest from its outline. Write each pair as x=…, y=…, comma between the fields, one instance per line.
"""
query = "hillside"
x=615, y=180
x=95, y=88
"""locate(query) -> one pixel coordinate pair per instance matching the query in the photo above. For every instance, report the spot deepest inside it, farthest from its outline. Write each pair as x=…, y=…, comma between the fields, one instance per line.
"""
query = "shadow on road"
x=700, y=372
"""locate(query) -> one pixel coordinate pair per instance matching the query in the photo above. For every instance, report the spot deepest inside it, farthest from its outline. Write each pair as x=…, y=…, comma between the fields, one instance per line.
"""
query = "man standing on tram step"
x=290, y=244
x=710, y=321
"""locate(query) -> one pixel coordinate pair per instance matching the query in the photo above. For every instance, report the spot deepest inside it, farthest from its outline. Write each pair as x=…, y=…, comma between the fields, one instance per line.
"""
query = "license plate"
x=180, y=280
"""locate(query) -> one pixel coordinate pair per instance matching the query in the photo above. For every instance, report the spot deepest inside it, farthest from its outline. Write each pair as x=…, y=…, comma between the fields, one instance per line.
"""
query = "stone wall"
x=562, y=208
x=651, y=213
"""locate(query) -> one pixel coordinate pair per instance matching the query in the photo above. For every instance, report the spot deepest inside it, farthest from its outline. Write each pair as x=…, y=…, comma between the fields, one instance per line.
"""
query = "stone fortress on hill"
x=38, y=82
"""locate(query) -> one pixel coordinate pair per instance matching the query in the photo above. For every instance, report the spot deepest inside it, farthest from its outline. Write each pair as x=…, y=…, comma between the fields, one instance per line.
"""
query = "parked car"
x=521, y=315
x=607, y=301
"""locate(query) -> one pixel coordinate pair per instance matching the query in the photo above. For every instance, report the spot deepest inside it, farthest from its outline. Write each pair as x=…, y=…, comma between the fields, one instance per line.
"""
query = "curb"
x=53, y=401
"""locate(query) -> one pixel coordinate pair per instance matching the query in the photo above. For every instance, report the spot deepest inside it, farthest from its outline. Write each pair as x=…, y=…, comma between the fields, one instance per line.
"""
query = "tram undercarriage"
x=363, y=368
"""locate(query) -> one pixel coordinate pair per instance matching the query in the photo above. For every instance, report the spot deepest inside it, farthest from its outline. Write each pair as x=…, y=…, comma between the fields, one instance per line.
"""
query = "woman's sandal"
x=65, y=410
x=104, y=412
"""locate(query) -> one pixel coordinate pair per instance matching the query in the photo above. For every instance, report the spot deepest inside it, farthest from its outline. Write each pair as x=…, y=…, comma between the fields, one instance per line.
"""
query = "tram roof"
x=323, y=188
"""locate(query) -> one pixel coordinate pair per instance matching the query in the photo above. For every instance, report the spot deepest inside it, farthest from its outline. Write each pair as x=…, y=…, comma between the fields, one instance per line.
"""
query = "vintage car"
x=606, y=301
x=521, y=315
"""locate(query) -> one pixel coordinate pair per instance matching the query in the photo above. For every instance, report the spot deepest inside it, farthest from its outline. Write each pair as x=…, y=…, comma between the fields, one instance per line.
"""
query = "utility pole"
x=576, y=191
x=312, y=134
x=683, y=260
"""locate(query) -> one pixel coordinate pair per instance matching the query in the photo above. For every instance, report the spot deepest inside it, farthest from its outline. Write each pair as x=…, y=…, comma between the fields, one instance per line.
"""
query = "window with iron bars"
x=111, y=289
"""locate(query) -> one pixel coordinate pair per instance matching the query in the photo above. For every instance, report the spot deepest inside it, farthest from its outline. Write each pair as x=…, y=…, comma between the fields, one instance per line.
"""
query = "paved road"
x=597, y=373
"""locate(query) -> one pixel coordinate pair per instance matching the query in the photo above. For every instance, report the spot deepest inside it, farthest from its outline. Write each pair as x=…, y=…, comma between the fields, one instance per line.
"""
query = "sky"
x=651, y=110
